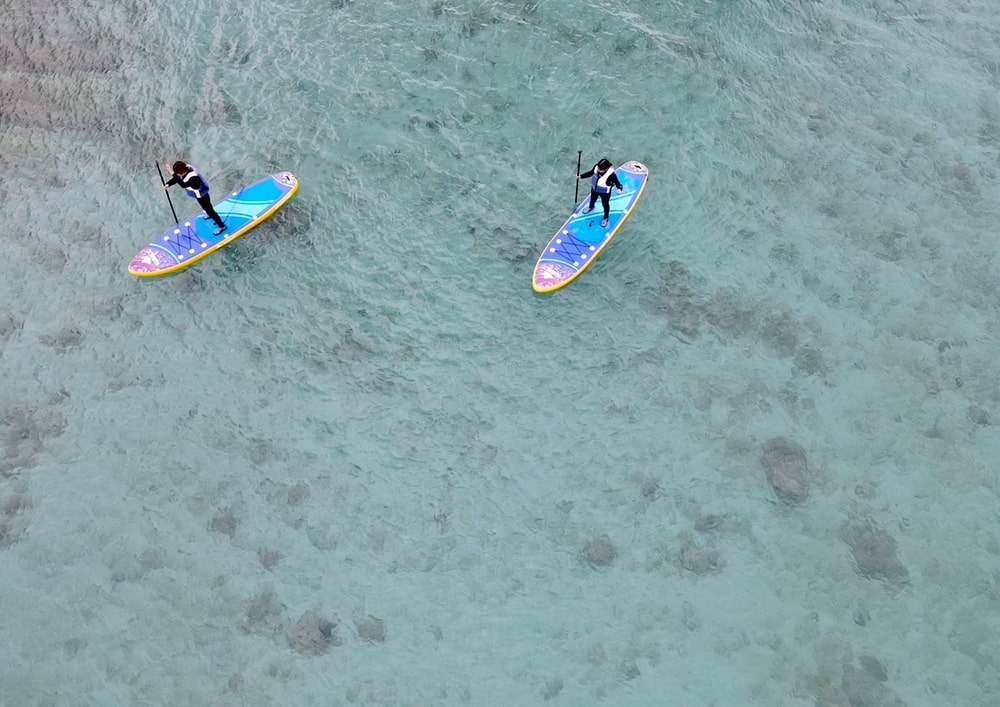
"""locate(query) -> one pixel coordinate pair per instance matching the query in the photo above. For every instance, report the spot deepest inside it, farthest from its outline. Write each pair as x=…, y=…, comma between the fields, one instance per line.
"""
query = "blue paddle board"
x=193, y=239
x=581, y=239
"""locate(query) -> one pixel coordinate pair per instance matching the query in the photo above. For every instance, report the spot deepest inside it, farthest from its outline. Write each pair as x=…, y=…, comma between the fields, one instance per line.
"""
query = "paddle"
x=576, y=194
x=164, y=183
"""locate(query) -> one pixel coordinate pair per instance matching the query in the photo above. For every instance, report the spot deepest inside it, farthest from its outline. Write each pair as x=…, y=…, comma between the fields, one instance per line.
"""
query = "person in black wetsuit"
x=602, y=177
x=187, y=176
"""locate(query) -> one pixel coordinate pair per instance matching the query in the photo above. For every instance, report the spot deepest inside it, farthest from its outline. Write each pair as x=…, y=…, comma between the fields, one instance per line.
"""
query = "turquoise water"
x=749, y=457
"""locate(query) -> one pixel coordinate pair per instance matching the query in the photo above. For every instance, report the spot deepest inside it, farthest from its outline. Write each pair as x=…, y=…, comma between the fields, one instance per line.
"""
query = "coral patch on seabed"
x=312, y=635
x=874, y=553
x=9, y=325
x=787, y=471
x=262, y=615
x=370, y=629
x=599, y=552
x=15, y=516
x=850, y=685
x=696, y=557
x=23, y=430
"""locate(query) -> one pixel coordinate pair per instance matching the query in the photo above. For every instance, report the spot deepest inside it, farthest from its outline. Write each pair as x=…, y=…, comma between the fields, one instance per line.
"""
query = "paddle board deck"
x=193, y=239
x=581, y=239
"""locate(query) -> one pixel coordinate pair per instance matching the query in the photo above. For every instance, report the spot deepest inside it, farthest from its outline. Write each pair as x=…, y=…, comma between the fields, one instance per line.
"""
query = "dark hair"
x=605, y=163
x=181, y=168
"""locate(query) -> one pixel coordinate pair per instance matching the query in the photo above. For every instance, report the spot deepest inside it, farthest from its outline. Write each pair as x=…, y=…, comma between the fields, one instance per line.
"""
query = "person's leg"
x=206, y=203
x=606, y=203
x=593, y=200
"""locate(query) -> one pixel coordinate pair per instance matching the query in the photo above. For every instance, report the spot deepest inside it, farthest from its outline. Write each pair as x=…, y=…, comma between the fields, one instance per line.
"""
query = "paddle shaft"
x=576, y=194
x=164, y=183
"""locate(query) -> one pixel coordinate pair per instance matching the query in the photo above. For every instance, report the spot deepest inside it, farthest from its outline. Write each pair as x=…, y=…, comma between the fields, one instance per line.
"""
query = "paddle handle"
x=576, y=194
x=164, y=183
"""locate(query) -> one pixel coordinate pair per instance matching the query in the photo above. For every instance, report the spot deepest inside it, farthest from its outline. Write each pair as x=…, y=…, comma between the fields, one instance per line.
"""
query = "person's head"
x=181, y=168
x=604, y=165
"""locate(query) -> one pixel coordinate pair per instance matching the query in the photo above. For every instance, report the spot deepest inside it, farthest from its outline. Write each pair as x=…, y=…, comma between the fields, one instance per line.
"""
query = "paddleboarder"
x=602, y=178
x=197, y=188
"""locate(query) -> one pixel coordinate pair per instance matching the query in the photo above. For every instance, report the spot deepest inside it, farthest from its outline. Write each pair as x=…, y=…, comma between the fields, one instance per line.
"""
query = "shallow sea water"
x=749, y=457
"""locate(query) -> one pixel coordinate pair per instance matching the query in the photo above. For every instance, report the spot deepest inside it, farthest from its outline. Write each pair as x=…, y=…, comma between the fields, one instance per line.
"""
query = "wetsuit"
x=600, y=186
x=197, y=188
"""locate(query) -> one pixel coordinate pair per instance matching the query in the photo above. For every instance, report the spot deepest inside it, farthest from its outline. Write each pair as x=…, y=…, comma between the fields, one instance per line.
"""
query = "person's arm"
x=615, y=183
x=173, y=177
x=587, y=175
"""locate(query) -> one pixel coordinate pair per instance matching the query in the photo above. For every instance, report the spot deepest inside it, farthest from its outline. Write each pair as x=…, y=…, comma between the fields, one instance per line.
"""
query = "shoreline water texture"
x=749, y=457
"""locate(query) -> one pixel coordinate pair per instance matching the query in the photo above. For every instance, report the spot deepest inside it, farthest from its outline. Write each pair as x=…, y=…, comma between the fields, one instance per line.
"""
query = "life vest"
x=599, y=182
x=192, y=192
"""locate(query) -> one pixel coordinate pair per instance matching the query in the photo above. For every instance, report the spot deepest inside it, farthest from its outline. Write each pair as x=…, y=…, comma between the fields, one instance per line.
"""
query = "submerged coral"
x=784, y=460
x=600, y=552
x=312, y=635
x=15, y=515
x=874, y=553
x=370, y=629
